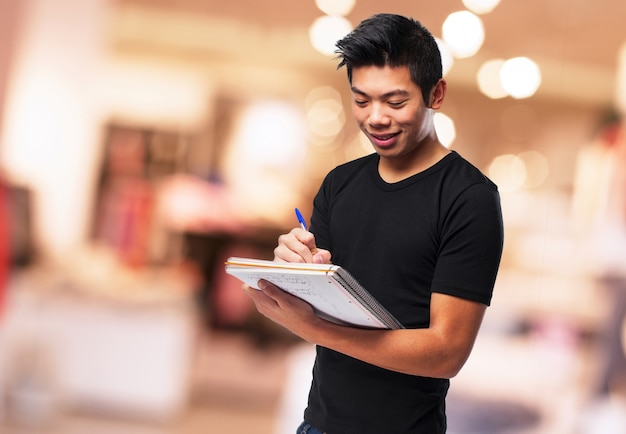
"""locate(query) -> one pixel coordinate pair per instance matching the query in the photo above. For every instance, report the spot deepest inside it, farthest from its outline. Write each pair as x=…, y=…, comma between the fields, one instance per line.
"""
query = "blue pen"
x=301, y=219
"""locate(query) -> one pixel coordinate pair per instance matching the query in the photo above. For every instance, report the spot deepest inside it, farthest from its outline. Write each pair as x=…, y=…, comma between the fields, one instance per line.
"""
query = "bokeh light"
x=325, y=115
x=446, y=131
x=447, y=57
x=464, y=32
x=326, y=31
x=481, y=6
x=335, y=7
x=258, y=138
x=537, y=168
x=520, y=77
x=508, y=172
x=488, y=79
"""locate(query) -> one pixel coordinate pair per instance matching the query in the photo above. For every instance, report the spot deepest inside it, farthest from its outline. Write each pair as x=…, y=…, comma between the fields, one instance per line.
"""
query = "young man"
x=416, y=224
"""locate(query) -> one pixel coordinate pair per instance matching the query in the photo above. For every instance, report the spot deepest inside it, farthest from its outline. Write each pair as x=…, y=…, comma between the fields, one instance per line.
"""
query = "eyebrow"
x=392, y=93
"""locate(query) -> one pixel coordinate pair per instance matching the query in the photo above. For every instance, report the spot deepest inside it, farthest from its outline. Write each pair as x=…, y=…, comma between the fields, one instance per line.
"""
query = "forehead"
x=373, y=80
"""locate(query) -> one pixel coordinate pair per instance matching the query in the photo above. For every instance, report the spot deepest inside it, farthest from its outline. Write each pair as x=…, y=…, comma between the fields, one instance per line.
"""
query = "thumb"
x=321, y=257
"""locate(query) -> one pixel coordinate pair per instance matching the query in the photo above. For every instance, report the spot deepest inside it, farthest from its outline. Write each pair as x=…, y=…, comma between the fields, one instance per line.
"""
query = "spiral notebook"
x=334, y=294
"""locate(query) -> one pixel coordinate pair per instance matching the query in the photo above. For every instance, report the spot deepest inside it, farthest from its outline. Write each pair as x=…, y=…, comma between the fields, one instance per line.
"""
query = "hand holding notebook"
x=332, y=292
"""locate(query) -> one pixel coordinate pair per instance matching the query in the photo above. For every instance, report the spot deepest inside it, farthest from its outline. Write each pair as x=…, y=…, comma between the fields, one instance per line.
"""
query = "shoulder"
x=465, y=172
x=350, y=171
x=462, y=186
x=461, y=178
x=356, y=165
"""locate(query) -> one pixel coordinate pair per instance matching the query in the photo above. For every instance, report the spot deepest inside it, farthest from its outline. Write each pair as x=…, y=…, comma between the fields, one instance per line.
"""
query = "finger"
x=259, y=297
x=269, y=289
x=276, y=295
x=305, y=237
x=296, y=246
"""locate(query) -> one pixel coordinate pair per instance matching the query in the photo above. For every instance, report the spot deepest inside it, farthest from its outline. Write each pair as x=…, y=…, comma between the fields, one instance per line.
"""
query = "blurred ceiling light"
x=326, y=31
x=326, y=117
x=463, y=31
x=481, y=6
x=488, y=79
x=319, y=93
x=520, y=77
x=537, y=169
x=508, y=172
x=272, y=134
x=335, y=7
x=447, y=58
x=445, y=129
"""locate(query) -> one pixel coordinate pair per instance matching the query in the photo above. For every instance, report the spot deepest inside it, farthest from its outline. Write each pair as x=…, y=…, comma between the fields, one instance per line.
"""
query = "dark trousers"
x=306, y=428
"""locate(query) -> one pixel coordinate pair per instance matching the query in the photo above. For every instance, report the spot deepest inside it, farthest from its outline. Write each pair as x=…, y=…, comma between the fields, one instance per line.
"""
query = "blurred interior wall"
x=51, y=114
x=64, y=85
x=8, y=23
x=620, y=87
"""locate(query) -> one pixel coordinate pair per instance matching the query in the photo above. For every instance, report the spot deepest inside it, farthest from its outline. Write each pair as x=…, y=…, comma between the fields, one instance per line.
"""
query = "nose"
x=378, y=115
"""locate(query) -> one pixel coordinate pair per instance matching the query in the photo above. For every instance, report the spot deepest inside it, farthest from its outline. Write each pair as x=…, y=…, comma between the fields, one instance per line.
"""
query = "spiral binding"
x=345, y=279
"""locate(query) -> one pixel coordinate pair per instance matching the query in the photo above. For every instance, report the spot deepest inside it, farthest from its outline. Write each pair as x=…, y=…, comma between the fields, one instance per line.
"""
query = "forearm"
x=438, y=351
x=424, y=352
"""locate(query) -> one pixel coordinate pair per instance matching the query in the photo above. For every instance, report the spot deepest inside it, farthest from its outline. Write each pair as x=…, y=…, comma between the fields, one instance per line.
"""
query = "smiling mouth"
x=383, y=137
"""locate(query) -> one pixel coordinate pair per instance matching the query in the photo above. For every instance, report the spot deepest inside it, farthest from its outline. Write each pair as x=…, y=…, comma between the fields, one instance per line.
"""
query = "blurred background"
x=142, y=142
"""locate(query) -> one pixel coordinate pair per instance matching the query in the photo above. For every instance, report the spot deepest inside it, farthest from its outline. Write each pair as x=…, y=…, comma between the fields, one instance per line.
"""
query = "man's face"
x=390, y=110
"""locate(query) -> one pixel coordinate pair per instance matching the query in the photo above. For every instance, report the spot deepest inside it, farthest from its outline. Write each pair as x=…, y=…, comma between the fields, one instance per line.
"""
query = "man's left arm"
x=439, y=351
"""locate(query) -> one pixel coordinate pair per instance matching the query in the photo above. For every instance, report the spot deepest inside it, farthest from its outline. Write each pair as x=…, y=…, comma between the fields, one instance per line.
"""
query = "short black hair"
x=393, y=40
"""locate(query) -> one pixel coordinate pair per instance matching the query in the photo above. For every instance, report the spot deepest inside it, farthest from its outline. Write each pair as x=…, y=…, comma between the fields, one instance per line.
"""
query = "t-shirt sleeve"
x=471, y=245
x=321, y=215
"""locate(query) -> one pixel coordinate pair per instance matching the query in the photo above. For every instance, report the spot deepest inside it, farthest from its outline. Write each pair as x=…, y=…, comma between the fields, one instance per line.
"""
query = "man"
x=416, y=224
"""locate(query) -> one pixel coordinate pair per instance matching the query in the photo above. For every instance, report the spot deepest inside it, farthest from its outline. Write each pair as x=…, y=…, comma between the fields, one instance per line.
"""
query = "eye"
x=360, y=102
x=397, y=103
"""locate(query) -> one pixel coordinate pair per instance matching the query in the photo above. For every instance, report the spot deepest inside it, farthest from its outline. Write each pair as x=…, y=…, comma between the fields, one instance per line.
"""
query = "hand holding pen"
x=299, y=245
x=320, y=256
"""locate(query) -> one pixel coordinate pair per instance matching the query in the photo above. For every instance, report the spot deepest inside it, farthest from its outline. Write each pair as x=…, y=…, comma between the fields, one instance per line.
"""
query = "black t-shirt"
x=437, y=231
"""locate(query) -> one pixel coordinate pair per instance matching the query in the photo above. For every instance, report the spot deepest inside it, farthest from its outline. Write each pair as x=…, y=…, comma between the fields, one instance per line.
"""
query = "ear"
x=438, y=94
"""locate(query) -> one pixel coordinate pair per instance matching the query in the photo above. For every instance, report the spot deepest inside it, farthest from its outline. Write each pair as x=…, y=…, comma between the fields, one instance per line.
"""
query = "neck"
x=396, y=169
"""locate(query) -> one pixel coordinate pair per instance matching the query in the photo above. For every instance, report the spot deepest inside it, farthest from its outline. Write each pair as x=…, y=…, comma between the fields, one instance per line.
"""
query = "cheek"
x=359, y=114
x=407, y=117
x=413, y=120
